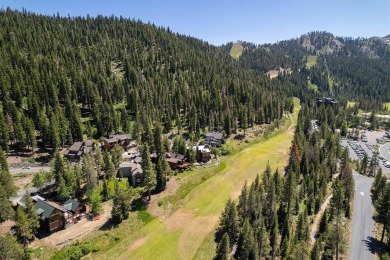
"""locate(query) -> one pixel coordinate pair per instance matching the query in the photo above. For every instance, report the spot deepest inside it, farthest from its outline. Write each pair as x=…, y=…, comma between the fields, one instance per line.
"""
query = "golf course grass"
x=187, y=232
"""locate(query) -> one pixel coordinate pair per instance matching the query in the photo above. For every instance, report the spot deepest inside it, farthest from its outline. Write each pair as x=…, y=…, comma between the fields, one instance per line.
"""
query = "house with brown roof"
x=78, y=149
x=202, y=153
x=122, y=139
x=176, y=161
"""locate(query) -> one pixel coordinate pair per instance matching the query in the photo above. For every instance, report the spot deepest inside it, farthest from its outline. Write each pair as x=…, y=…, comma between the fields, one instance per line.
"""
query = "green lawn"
x=236, y=50
x=187, y=232
x=311, y=61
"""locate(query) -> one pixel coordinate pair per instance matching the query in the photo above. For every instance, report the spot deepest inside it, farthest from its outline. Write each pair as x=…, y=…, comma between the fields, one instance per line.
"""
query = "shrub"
x=226, y=149
x=76, y=251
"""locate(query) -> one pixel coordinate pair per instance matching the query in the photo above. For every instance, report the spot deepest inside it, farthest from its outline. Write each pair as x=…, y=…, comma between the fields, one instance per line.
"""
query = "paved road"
x=31, y=170
x=363, y=224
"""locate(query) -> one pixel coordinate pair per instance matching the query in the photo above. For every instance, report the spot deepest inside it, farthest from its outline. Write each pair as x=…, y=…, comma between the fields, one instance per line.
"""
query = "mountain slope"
x=350, y=69
x=71, y=77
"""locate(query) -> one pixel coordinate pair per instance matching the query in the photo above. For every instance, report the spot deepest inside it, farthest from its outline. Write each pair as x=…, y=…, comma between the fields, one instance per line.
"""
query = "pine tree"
x=263, y=239
x=315, y=253
x=6, y=210
x=31, y=213
x=121, y=204
x=116, y=155
x=63, y=191
x=38, y=180
x=149, y=174
x=58, y=167
x=382, y=208
x=108, y=166
x=246, y=246
x=10, y=248
x=378, y=186
x=274, y=237
x=94, y=201
x=223, y=248
x=336, y=204
x=4, y=132
x=158, y=144
x=228, y=223
x=105, y=193
x=162, y=171
x=89, y=173
x=99, y=162
x=24, y=229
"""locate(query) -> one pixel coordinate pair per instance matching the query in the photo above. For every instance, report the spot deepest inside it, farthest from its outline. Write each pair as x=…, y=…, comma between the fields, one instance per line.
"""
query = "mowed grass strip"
x=183, y=233
x=236, y=50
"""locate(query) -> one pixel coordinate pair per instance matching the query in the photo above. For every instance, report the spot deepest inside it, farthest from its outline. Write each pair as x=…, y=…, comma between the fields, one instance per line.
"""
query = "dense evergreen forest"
x=274, y=214
x=62, y=78
x=349, y=69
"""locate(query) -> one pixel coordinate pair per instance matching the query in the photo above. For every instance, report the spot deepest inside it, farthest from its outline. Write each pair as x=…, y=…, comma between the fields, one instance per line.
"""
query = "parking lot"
x=367, y=146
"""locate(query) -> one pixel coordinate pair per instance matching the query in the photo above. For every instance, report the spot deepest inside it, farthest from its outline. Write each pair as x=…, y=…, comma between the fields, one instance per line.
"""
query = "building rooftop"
x=45, y=208
x=75, y=147
x=71, y=205
x=215, y=135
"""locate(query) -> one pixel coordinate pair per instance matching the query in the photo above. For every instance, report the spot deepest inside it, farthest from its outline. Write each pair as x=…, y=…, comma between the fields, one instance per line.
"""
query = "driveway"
x=361, y=243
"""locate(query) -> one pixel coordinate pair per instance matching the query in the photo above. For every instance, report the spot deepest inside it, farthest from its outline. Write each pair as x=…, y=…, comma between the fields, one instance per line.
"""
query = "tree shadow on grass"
x=374, y=245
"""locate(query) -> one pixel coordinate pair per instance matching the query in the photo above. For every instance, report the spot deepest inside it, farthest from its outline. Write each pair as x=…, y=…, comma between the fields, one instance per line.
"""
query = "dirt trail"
x=317, y=220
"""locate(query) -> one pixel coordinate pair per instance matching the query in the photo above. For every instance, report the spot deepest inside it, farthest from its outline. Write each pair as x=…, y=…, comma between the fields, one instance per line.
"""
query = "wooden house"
x=51, y=215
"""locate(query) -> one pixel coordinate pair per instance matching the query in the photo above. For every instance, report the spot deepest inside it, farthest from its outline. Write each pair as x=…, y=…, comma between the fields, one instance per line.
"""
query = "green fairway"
x=188, y=230
x=236, y=50
x=311, y=61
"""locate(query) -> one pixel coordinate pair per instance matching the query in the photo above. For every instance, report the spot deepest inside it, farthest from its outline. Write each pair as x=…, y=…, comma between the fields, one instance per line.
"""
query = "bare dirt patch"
x=23, y=182
x=172, y=185
x=134, y=246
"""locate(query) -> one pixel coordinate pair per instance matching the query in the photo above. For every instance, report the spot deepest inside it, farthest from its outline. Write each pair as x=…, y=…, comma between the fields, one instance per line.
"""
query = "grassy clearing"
x=188, y=231
x=351, y=104
x=117, y=69
x=236, y=50
x=387, y=106
x=311, y=61
x=312, y=86
x=119, y=105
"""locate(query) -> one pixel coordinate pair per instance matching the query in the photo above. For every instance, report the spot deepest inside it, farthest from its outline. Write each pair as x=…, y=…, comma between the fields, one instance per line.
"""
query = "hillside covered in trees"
x=63, y=78
x=349, y=69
